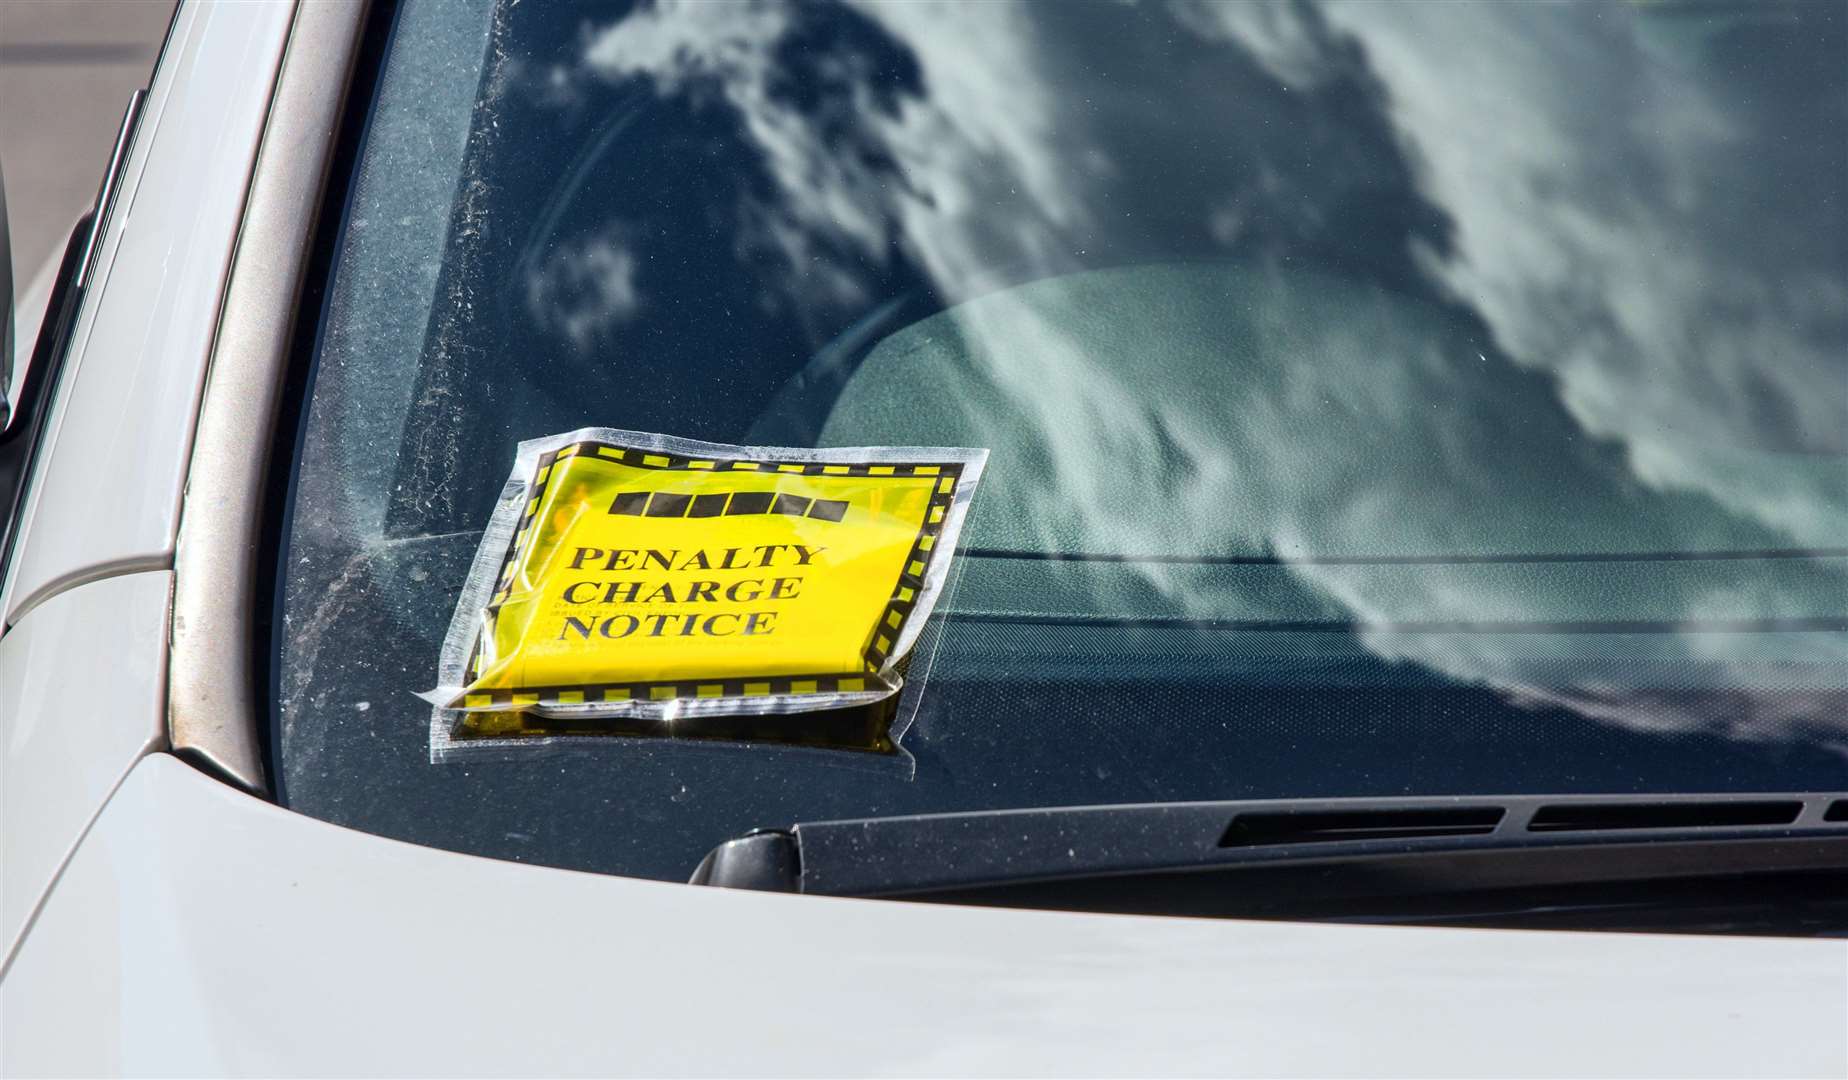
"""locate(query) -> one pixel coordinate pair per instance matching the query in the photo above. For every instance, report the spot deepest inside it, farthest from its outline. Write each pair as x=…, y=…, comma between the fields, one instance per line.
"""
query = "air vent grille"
x=1579, y=817
x=1330, y=826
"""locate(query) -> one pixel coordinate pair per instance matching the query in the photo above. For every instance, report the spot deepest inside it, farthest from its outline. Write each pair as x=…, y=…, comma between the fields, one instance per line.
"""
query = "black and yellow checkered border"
x=678, y=690
x=880, y=642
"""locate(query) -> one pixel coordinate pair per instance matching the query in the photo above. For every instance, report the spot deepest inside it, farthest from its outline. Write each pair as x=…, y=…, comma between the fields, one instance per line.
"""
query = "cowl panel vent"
x=1256, y=829
x=1583, y=817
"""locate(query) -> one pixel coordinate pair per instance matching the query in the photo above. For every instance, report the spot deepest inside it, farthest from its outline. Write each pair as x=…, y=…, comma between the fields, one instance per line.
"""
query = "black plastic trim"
x=19, y=444
x=768, y=861
x=1587, y=817
x=1330, y=826
x=1464, y=842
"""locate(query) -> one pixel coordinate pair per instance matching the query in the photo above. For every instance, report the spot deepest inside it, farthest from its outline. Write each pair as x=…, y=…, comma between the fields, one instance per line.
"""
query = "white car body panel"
x=200, y=931
x=81, y=681
x=106, y=499
x=168, y=923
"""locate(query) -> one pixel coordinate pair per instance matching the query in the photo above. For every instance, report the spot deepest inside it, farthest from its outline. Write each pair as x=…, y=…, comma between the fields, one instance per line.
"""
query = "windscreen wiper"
x=1377, y=848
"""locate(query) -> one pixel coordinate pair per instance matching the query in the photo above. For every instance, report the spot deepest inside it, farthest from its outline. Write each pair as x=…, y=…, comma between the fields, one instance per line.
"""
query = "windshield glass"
x=1403, y=399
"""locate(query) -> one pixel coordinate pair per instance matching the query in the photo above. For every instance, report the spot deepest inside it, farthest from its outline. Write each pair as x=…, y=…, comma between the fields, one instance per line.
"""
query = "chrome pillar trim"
x=216, y=707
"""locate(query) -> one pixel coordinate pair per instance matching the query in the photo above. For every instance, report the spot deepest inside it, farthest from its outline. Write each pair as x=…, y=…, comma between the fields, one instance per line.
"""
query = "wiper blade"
x=1401, y=845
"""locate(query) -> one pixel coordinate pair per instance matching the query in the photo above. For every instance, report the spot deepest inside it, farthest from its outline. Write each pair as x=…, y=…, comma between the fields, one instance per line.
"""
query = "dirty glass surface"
x=1383, y=399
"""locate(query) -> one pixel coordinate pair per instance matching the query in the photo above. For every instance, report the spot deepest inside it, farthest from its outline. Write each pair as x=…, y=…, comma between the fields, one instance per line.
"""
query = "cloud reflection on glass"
x=1501, y=334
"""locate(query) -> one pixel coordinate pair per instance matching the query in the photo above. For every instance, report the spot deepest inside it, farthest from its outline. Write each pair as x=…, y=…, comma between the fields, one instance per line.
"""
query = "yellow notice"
x=637, y=576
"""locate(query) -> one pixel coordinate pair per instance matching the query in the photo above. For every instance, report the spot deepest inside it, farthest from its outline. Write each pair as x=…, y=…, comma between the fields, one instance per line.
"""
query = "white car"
x=1402, y=629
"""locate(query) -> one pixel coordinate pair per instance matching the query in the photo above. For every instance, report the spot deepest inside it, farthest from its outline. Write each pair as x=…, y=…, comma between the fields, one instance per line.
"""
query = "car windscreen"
x=1382, y=399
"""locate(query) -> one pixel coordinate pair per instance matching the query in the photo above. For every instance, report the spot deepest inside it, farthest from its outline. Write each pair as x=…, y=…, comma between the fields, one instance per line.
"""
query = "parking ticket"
x=635, y=574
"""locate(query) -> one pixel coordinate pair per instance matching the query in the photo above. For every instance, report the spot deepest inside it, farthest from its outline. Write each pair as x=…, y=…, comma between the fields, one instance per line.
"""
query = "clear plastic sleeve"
x=639, y=584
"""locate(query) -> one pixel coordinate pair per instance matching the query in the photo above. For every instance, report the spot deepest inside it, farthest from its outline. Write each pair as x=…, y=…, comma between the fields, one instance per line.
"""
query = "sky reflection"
x=1504, y=289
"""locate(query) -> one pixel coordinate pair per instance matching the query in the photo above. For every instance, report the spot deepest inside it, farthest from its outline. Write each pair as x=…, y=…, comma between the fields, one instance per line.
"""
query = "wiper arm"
x=1394, y=846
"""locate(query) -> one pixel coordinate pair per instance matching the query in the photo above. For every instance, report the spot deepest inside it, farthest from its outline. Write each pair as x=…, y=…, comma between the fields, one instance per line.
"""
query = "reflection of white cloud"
x=1301, y=415
x=700, y=48
x=988, y=133
x=1273, y=33
x=985, y=133
x=992, y=117
x=583, y=288
x=1596, y=201
x=1605, y=229
x=1610, y=227
x=705, y=49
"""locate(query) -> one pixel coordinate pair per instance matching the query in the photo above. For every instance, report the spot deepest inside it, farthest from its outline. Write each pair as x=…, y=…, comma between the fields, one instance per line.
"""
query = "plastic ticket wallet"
x=628, y=582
